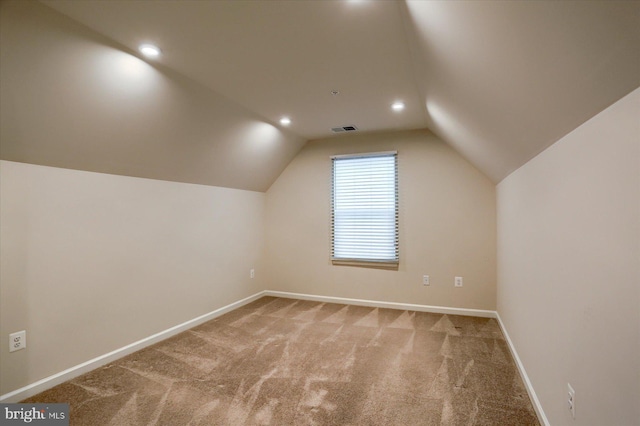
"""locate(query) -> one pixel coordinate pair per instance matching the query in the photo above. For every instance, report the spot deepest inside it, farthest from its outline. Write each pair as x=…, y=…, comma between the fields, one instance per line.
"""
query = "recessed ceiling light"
x=285, y=121
x=149, y=50
x=397, y=106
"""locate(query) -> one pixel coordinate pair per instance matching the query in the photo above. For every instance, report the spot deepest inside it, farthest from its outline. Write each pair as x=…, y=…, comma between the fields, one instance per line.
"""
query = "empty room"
x=330, y=212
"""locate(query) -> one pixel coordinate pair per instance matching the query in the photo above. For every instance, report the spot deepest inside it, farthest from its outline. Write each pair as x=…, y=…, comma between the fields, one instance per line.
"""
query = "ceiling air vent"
x=344, y=129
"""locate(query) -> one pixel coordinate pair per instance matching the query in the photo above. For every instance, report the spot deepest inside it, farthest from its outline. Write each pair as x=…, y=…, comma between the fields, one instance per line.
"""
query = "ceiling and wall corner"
x=498, y=81
x=502, y=81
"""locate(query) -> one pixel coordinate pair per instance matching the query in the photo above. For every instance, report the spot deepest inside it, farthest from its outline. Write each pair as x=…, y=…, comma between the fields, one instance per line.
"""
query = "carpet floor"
x=282, y=361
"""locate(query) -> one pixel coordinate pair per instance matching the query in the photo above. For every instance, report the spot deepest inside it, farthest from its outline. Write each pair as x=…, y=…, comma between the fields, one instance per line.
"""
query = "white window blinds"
x=364, y=201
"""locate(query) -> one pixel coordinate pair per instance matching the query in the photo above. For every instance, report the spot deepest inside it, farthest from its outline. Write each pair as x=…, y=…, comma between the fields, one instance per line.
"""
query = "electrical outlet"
x=425, y=280
x=252, y=273
x=17, y=341
x=458, y=282
x=571, y=400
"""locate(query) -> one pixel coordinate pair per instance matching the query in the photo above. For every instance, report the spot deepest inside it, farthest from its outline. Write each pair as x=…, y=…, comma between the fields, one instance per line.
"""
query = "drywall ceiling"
x=503, y=80
x=278, y=58
x=499, y=81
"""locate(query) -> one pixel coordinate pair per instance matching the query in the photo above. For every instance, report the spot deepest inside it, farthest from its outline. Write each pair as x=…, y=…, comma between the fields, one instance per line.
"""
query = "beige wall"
x=447, y=226
x=92, y=262
x=569, y=268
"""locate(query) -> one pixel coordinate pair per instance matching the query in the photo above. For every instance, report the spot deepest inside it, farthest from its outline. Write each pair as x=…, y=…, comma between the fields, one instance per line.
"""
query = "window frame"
x=387, y=263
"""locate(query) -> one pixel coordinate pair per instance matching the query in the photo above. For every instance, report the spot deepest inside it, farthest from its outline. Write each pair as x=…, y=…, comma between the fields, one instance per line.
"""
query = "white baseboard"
x=525, y=378
x=75, y=371
x=380, y=304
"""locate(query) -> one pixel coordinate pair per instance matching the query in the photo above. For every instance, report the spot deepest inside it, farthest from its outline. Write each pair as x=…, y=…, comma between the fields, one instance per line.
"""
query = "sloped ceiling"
x=278, y=58
x=499, y=81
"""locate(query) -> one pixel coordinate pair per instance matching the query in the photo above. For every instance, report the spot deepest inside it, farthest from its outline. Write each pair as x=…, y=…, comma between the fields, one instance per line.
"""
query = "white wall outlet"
x=571, y=400
x=425, y=280
x=252, y=273
x=17, y=341
x=457, y=282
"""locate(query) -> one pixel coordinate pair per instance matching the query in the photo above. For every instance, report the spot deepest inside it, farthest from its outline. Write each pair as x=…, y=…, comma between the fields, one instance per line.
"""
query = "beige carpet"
x=291, y=362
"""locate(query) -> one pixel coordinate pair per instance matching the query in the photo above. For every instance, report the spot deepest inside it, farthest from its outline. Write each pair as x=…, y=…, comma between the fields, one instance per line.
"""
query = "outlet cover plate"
x=17, y=341
x=571, y=400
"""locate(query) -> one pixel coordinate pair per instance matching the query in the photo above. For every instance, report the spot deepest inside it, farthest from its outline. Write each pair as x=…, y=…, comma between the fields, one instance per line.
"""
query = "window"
x=364, y=210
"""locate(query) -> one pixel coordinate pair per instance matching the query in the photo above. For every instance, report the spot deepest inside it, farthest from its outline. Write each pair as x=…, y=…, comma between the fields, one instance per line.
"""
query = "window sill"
x=393, y=266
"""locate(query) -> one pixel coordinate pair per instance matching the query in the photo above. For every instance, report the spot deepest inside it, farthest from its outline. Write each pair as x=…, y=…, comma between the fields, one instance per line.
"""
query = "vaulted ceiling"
x=499, y=81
